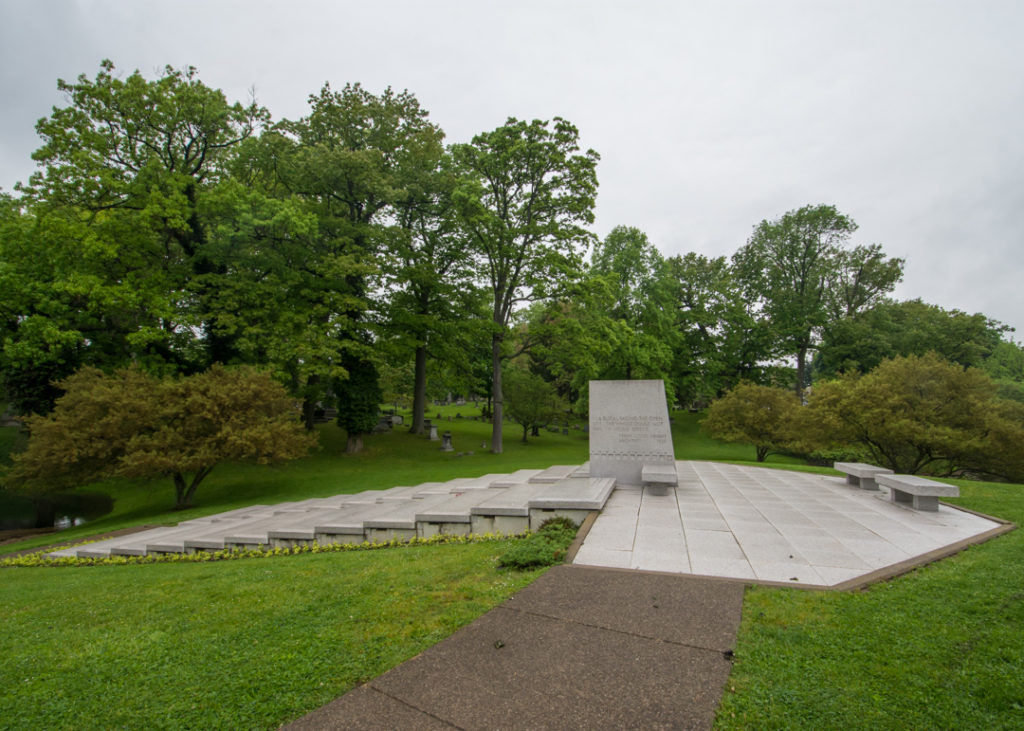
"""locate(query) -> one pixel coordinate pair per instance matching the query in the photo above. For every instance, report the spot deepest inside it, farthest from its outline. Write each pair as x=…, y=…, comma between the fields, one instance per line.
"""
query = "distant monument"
x=629, y=431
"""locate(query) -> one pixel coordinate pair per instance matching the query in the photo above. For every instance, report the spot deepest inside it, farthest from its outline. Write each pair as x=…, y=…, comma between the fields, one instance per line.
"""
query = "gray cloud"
x=708, y=116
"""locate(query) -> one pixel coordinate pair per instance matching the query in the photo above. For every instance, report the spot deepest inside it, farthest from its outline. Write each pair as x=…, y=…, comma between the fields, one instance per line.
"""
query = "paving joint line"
x=404, y=702
x=617, y=631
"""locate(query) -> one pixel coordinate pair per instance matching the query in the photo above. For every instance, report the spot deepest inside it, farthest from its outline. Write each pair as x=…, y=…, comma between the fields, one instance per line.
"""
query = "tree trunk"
x=419, y=398
x=355, y=444
x=308, y=405
x=499, y=406
x=762, y=453
x=183, y=493
x=801, y=367
x=525, y=430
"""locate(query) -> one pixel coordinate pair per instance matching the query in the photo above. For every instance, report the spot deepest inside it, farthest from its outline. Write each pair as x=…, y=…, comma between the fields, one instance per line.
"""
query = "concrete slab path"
x=578, y=648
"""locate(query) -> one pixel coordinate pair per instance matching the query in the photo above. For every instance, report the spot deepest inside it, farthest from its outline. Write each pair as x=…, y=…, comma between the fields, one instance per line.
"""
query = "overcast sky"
x=709, y=116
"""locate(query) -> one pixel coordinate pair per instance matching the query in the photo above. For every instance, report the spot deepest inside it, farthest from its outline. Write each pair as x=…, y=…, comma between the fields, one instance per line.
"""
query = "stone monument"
x=629, y=431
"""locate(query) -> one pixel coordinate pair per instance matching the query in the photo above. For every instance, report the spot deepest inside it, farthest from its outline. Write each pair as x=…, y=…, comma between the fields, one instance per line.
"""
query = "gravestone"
x=433, y=432
x=446, y=442
x=629, y=429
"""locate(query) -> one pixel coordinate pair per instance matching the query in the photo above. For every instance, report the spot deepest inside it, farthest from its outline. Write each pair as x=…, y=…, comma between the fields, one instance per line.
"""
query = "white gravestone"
x=629, y=429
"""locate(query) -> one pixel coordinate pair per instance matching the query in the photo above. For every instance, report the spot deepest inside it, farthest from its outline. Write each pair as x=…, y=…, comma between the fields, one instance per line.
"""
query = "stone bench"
x=659, y=477
x=860, y=474
x=920, y=492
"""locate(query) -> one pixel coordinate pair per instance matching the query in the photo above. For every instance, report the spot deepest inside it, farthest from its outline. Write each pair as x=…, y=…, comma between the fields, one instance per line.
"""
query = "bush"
x=546, y=547
x=920, y=414
x=753, y=414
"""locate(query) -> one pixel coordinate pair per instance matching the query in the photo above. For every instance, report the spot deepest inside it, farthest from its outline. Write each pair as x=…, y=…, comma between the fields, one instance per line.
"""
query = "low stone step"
x=303, y=527
x=517, y=477
x=554, y=473
x=575, y=493
x=452, y=517
x=403, y=517
x=573, y=498
x=346, y=526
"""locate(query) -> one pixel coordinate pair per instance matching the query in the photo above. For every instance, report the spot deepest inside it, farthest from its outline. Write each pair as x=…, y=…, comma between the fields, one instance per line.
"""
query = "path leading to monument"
x=771, y=525
x=578, y=648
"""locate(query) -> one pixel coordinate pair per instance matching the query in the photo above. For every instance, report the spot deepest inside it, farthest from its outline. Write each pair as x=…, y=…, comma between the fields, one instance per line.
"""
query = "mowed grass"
x=245, y=644
x=940, y=648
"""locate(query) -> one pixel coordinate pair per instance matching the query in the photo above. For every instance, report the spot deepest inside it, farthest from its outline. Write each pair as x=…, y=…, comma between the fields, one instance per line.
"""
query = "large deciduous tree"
x=801, y=273
x=637, y=281
x=720, y=342
x=354, y=158
x=913, y=327
x=524, y=196
x=127, y=163
x=134, y=425
x=429, y=273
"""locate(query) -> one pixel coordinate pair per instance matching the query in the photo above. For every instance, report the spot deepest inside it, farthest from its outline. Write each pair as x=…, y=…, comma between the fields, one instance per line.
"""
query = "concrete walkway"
x=578, y=648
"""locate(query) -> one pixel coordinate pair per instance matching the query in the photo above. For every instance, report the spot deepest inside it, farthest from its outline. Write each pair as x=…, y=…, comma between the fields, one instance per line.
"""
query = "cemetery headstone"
x=446, y=442
x=433, y=432
x=629, y=429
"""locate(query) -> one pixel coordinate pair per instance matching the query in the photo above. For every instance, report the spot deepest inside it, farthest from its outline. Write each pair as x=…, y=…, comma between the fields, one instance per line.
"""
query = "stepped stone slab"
x=515, y=478
x=302, y=527
x=403, y=516
x=513, y=500
x=489, y=503
x=554, y=473
x=456, y=509
x=576, y=493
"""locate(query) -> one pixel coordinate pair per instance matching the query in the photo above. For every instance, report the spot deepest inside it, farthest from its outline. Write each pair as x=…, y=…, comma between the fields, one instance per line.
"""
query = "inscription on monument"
x=629, y=428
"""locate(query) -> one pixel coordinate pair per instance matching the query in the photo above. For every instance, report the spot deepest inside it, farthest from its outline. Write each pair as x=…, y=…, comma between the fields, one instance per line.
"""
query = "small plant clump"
x=546, y=547
x=39, y=558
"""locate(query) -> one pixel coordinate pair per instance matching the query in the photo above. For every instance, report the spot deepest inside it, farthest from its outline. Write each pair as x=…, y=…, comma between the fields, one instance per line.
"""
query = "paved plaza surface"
x=763, y=524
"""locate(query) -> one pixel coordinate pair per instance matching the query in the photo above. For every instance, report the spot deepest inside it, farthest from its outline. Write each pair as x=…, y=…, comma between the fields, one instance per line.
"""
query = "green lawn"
x=240, y=644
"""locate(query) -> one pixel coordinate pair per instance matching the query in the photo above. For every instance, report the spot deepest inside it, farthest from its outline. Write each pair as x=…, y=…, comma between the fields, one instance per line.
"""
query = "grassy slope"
x=246, y=644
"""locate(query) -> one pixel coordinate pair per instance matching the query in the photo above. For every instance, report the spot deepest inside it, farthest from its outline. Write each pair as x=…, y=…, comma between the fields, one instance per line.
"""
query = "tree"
x=800, y=273
x=532, y=401
x=921, y=413
x=913, y=327
x=359, y=398
x=354, y=158
x=523, y=195
x=720, y=342
x=635, y=273
x=127, y=163
x=754, y=414
x=134, y=425
x=429, y=273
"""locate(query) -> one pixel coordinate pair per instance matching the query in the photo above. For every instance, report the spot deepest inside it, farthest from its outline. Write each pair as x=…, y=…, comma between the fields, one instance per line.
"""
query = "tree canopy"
x=524, y=194
x=803, y=276
x=921, y=413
